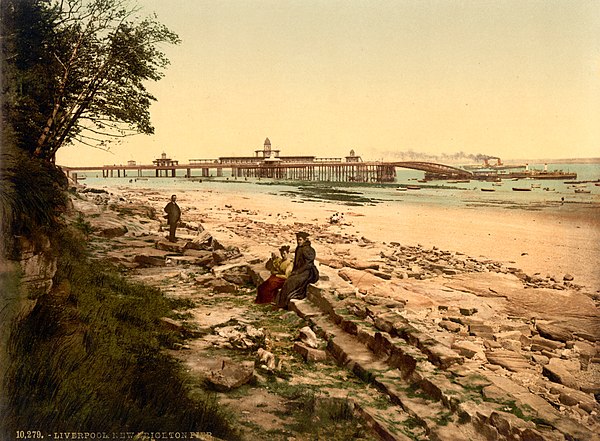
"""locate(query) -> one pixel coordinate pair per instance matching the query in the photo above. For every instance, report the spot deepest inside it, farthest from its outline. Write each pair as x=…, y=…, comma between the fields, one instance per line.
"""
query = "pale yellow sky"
x=508, y=78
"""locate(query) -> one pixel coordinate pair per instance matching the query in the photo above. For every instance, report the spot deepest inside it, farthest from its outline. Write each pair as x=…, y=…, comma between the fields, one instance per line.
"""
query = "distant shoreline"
x=554, y=161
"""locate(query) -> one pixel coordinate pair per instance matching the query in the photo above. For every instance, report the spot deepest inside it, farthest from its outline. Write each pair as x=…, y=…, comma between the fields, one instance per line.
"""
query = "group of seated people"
x=289, y=279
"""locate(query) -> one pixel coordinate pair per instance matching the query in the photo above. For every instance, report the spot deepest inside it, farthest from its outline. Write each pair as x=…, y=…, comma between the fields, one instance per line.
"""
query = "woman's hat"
x=302, y=234
x=284, y=248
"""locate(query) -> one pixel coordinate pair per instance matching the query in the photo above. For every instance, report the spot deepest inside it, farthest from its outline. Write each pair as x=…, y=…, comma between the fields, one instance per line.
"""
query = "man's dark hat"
x=302, y=234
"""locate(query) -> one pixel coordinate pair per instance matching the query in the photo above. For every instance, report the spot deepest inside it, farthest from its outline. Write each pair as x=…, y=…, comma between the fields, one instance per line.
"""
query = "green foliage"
x=90, y=357
x=75, y=71
x=31, y=197
x=325, y=418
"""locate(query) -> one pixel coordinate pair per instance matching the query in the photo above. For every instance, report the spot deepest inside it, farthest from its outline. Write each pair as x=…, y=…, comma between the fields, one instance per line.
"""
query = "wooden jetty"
x=267, y=163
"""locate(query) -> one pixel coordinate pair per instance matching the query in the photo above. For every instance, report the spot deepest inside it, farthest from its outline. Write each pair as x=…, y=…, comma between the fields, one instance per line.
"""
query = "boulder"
x=466, y=348
x=201, y=242
x=172, y=247
x=238, y=274
x=559, y=371
x=310, y=354
x=216, y=285
x=450, y=326
x=308, y=337
x=222, y=255
x=507, y=359
x=231, y=375
x=554, y=332
x=146, y=261
x=539, y=343
x=266, y=359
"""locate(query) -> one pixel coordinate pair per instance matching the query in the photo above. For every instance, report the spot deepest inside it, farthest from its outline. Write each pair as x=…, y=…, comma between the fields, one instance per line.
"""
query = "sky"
x=506, y=78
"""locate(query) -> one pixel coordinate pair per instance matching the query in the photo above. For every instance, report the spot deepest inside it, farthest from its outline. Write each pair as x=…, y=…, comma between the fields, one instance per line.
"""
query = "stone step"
x=427, y=379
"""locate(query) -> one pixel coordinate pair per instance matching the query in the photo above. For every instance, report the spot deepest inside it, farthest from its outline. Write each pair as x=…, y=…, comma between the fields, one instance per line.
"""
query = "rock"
x=172, y=325
x=553, y=332
x=385, y=322
x=539, y=343
x=361, y=265
x=232, y=375
x=202, y=242
x=568, y=278
x=266, y=358
x=450, y=326
x=222, y=255
x=540, y=359
x=216, y=285
x=172, y=247
x=310, y=354
x=194, y=226
x=238, y=274
x=466, y=348
x=507, y=359
x=111, y=231
x=467, y=311
x=37, y=267
x=146, y=261
x=481, y=329
x=559, y=371
x=308, y=337
x=493, y=393
x=380, y=274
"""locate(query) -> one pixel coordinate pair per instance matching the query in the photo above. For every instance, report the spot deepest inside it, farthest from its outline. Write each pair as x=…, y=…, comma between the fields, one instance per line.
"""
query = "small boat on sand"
x=488, y=189
x=521, y=189
x=413, y=187
x=582, y=190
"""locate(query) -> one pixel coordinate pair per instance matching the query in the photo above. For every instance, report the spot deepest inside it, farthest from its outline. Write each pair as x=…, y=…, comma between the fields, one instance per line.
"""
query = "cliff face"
x=22, y=282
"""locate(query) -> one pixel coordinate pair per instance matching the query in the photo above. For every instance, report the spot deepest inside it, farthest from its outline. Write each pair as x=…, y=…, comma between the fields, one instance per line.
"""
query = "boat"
x=582, y=190
x=521, y=188
x=459, y=181
x=535, y=185
x=401, y=189
x=497, y=184
x=488, y=189
x=413, y=187
x=597, y=184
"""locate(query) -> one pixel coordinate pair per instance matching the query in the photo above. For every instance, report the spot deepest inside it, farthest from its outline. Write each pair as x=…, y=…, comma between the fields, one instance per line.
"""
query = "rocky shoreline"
x=458, y=347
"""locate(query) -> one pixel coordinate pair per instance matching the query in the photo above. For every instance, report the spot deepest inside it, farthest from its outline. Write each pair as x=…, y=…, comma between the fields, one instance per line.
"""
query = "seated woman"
x=280, y=269
x=304, y=272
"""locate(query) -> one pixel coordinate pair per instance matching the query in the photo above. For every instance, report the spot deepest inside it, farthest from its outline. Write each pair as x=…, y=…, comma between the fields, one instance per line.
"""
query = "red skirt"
x=268, y=289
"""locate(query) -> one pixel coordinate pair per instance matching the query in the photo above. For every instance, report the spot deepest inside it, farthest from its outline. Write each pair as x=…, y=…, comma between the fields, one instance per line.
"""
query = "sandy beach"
x=562, y=239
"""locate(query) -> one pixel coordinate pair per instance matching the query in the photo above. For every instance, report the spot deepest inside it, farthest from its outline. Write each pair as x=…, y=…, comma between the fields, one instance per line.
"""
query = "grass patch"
x=89, y=358
x=325, y=418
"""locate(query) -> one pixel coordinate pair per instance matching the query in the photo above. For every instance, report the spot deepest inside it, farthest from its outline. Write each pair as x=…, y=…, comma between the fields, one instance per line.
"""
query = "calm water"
x=544, y=193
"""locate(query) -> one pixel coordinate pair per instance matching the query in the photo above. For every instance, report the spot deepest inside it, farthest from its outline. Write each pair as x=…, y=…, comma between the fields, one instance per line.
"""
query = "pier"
x=267, y=163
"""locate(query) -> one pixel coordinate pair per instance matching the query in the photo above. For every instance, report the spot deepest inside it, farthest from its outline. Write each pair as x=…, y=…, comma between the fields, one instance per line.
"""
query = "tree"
x=99, y=56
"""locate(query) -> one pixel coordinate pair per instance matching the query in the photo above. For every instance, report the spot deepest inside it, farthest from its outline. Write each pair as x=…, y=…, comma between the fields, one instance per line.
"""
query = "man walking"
x=173, y=215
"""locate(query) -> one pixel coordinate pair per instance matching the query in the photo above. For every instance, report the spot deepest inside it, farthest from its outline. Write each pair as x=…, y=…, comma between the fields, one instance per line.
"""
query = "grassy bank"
x=89, y=358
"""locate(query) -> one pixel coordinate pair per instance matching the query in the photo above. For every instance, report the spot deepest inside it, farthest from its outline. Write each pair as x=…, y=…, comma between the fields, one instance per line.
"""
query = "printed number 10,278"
x=29, y=434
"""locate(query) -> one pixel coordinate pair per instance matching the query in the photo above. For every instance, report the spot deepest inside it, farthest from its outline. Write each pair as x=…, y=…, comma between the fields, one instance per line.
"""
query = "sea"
x=543, y=194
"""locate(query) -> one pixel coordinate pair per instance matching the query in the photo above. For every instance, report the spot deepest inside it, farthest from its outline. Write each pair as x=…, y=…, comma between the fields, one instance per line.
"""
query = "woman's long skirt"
x=268, y=289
